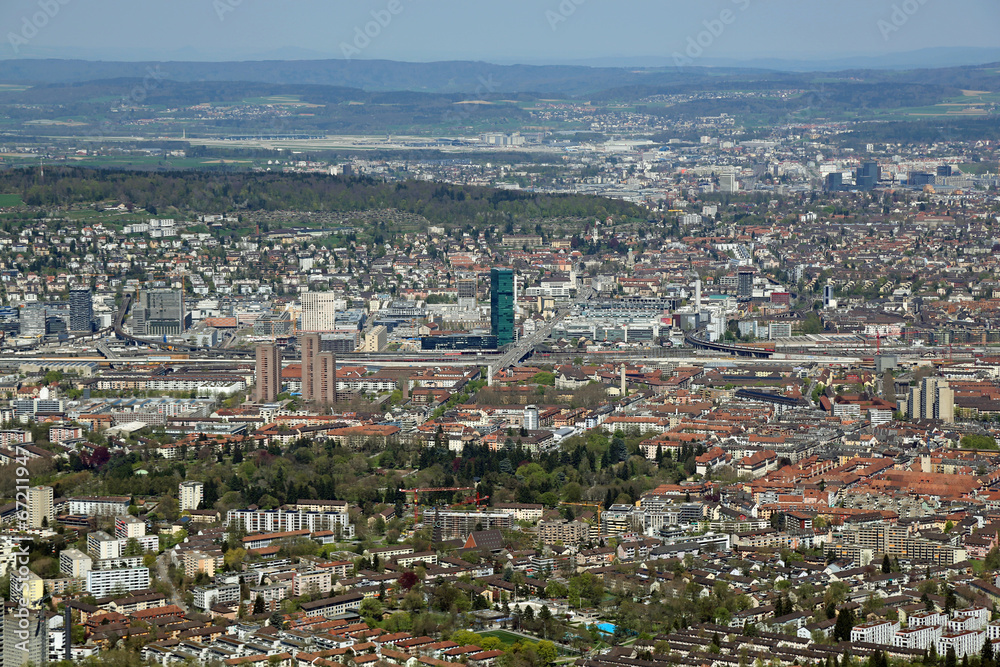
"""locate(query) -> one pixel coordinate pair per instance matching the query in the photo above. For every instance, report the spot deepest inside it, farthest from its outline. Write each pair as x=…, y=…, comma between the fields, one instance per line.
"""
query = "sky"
x=501, y=31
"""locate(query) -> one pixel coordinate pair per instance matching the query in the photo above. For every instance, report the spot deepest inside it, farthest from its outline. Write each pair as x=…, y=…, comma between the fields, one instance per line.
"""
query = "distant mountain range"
x=472, y=79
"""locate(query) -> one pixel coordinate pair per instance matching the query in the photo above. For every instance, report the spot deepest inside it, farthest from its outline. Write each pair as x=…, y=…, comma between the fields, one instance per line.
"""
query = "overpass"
x=735, y=350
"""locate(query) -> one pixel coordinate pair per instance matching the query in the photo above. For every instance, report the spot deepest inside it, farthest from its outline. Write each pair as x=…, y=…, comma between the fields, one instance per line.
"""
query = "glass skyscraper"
x=502, y=305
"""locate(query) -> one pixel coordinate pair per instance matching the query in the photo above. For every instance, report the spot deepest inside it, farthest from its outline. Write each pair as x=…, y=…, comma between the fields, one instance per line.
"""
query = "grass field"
x=10, y=200
x=506, y=637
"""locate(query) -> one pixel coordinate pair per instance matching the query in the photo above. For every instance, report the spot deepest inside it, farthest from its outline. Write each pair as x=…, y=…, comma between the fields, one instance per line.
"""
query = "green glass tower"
x=502, y=305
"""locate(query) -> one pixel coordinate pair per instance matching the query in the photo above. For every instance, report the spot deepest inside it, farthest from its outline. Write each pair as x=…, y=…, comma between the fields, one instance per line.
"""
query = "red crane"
x=430, y=489
x=472, y=499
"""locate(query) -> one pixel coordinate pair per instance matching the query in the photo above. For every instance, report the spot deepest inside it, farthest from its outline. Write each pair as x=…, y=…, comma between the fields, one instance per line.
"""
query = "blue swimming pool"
x=606, y=628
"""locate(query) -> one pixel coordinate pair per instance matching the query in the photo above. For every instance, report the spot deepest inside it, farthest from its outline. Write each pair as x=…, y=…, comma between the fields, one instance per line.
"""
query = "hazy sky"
x=529, y=31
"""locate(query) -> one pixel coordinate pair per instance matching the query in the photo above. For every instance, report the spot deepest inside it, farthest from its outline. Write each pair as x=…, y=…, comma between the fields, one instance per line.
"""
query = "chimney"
x=622, y=371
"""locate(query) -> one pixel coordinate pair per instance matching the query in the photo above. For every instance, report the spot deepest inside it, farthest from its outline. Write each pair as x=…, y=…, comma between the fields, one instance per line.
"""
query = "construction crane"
x=600, y=510
x=435, y=489
x=472, y=499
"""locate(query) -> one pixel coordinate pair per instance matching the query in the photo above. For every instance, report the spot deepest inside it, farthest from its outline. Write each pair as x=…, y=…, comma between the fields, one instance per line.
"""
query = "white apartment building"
x=920, y=637
x=191, y=495
x=129, y=526
x=965, y=643
x=927, y=618
x=876, y=632
x=99, y=505
x=101, y=545
x=312, y=582
x=993, y=630
x=74, y=563
x=101, y=583
x=206, y=597
x=319, y=311
x=278, y=521
x=980, y=617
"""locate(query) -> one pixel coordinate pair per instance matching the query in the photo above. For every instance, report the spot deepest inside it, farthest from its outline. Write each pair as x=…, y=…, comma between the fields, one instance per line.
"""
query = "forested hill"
x=204, y=192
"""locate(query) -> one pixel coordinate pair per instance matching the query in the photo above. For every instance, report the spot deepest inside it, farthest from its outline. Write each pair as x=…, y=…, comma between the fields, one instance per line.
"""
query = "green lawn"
x=10, y=200
x=506, y=637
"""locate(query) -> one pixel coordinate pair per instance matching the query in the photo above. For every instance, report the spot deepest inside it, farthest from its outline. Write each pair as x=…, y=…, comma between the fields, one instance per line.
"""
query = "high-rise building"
x=867, y=176
x=33, y=319
x=324, y=378
x=319, y=311
x=268, y=374
x=19, y=649
x=933, y=398
x=728, y=183
x=40, y=507
x=310, y=346
x=744, y=283
x=467, y=292
x=834, y=181
x=531, y=417
x=191, y=495
x=502, y=305
x=81, y=309
x=160, y=312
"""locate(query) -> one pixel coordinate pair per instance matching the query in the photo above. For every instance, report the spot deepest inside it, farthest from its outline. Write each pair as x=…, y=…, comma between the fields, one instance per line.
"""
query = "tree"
x=258, y=606
x=986, y=657
x=949, y=659
x=992, y=561
x=844, y=625
x=886, y=564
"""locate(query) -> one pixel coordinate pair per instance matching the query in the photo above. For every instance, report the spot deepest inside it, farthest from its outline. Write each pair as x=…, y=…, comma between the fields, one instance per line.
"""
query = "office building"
x=81, y=309
x=530, y=421
x=160, y=312
x=33, y=320
x=191, y=494
x=867, y=176
x=19, y=649
x=502, y=295
x=828, y=300
x=319, y=311
x=834, y=181
x=728, y=183
x=268, y=384
x=744, y=283
x=41, y=513
x=920, y=179
x=931, y=399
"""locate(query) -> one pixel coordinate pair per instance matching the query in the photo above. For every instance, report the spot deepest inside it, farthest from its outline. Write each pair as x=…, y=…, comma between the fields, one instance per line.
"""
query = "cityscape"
x=416, y=343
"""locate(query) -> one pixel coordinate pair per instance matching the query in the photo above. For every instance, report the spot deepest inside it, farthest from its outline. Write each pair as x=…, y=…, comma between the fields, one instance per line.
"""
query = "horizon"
x=559, y=32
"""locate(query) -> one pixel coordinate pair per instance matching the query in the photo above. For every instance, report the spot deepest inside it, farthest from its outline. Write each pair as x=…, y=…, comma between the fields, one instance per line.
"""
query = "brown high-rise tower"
x=310, y=348
x=319, y=372
x=268, y=374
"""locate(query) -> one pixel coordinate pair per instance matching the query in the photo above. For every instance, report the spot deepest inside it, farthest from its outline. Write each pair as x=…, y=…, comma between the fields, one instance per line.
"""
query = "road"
x=163, y=575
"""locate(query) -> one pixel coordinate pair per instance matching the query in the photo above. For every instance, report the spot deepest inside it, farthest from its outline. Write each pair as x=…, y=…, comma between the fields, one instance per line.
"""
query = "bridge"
x=735, y=350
